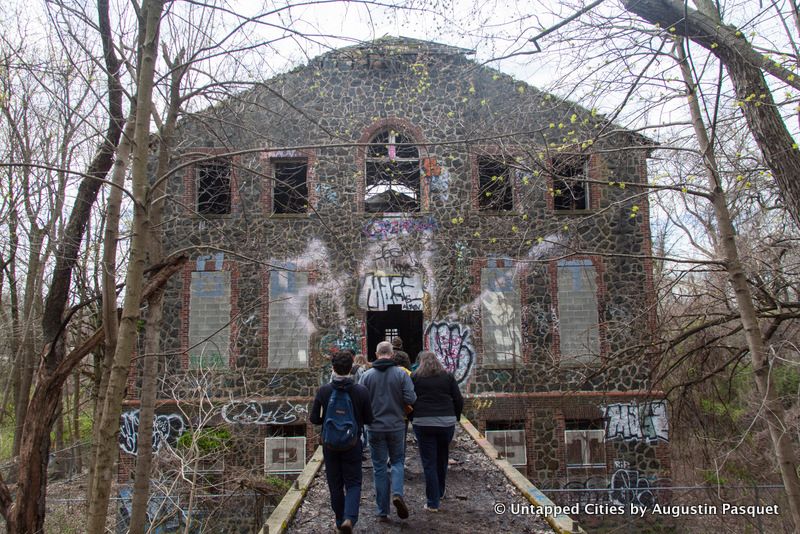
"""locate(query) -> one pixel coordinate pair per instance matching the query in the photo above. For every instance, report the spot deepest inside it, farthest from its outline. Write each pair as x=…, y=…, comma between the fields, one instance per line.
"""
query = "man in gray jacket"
x=390, y=390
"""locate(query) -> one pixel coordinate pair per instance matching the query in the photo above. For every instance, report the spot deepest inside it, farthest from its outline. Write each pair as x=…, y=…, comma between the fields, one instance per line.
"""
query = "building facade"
x=399, y=188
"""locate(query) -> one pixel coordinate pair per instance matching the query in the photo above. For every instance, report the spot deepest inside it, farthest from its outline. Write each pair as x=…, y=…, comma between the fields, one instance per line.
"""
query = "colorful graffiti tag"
x=452, y=344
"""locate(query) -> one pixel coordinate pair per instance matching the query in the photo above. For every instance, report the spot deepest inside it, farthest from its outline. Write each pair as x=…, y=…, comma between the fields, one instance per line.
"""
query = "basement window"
x=570, y=190
x=495, y=188
x=214, y=187
x=585, y=440
x=392, y=174
x=508, y=437
x=290, y=190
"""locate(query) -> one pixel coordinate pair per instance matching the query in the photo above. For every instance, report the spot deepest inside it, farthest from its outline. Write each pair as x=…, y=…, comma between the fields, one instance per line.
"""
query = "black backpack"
x=340, y=428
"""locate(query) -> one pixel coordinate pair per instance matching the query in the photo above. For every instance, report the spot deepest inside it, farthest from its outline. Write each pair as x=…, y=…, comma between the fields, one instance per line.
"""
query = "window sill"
x=496, y=213
x=502, y=366
x=574, y=212
x=395, y=214
x=211, y=216
x=304, y=215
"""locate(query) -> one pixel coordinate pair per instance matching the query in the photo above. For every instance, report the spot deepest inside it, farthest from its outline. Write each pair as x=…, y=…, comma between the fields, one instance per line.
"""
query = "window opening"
x=495, y=191
x=290, y=192
x=585, y=443
x=508, y=437
x=570, y=189
x=214, y=187
x=392, y=174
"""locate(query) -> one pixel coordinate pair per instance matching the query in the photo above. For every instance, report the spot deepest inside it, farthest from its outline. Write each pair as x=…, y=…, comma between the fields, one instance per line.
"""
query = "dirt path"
x=474, y=485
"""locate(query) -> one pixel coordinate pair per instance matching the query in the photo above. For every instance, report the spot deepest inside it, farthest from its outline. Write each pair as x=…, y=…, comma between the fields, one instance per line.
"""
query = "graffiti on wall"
x=379, y=291
x=163, y=514
x=452, y=344
x=438, y=177
x=348, y=337
x=167, y=428
x=257, y=413
x=218, y=259
x=633, y=421
x=387, y=228
x=626, y=487
x=326, y=194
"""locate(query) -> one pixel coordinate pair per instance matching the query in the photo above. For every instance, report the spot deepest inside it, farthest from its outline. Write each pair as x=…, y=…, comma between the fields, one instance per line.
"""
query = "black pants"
x=343, y=471
x=434, y=451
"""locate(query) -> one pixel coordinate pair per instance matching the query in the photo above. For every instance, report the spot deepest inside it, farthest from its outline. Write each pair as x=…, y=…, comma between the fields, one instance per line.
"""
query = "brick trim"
x=188, y=269
x=268, y=182
x=599, y=267
x=190, y=180
x=405, y=127
x=647, y=250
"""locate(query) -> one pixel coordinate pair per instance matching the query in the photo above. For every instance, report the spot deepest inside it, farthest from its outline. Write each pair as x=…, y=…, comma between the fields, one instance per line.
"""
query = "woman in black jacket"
x=436, y=412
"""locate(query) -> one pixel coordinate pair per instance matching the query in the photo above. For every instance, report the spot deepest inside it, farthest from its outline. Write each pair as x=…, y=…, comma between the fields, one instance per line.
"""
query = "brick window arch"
x=389, y=161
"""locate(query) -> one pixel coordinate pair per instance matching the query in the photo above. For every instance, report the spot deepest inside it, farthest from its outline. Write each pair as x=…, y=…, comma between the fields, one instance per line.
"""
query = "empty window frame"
x=290, y=189
x=214, y=187
x=585, y=443
x=392, y=174
x=570, y=189
x=508, y=437
x=495, y=184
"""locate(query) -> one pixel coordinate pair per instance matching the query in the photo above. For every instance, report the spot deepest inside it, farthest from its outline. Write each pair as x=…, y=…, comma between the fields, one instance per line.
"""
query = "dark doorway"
x=395, y=321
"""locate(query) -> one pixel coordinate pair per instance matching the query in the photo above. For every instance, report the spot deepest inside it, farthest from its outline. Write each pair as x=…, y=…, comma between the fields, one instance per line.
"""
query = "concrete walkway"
x=475, y=485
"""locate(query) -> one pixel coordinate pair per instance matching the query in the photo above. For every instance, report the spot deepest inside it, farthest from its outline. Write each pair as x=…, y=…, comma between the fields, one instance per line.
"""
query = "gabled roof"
x=398, y=45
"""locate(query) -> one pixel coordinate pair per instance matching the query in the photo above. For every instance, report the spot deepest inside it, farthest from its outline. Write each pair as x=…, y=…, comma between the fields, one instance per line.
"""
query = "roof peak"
x=401, y=44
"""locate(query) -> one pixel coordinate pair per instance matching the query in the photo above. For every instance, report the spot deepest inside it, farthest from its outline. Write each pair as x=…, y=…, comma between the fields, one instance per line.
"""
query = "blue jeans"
x=391, y=446
x=343, y=471
x=434, y=451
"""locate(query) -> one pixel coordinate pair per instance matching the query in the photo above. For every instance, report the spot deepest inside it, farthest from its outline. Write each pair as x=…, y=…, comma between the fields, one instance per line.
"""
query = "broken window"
x=290, y=192
x=585, y=443
x=495, y=188
x=392, y=174
x=501, y=317
x=214, y=187
x=570, y=190
x=508, y=437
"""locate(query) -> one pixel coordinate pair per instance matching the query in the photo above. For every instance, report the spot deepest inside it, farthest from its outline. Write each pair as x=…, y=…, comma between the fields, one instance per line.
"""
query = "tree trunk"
x=112, y=407
x=744, y=65
x=109, y=308
x=27, y=350
x=141, y=488
x=773, y=409
x=76, y=425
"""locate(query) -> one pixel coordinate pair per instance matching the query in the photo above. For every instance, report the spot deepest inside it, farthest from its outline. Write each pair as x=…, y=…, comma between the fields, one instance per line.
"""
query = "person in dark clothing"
x=390, y=390
x=436, y=411
x=343, y=468
x=400, y=356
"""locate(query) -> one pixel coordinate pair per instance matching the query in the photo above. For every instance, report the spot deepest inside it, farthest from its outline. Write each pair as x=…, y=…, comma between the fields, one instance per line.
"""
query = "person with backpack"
x=390, y=390
x=342, y=407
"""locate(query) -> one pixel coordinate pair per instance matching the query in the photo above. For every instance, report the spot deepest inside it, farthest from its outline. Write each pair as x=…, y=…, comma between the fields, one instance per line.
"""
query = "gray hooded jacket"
x=390, y=389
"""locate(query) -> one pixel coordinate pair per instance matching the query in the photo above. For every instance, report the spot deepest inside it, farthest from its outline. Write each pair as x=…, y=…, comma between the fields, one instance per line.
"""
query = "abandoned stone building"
x=400, y=188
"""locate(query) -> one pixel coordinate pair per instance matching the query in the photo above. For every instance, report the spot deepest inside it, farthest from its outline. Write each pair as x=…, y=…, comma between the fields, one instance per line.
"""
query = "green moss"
x=207, y=440
x=279, y=484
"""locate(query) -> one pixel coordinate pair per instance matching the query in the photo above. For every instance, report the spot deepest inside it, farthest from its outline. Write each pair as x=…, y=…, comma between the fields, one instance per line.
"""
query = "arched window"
x=392, y=174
